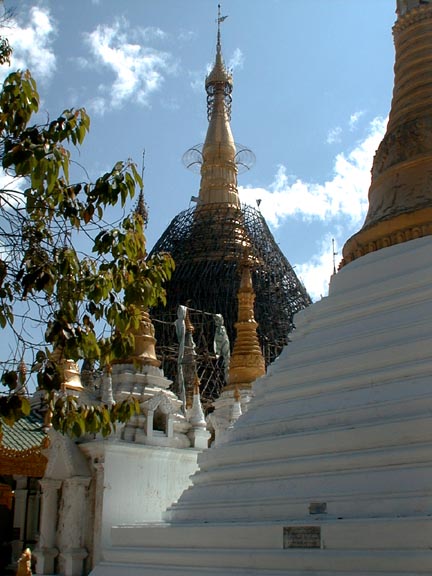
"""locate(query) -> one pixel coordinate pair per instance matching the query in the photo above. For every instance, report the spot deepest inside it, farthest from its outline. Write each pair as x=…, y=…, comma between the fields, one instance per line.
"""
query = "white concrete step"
x=332, y=439
x=384, y=547
x=383, y=468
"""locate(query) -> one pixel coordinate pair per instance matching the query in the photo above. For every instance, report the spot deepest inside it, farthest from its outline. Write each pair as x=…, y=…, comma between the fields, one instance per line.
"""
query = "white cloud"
x=81, y=62
x=12, y=190
x=171, y=104
x=31, y=42
x=334, y=135
x=340, y=204
x=317, y=271
x=138, y=70
x=345, y=195
x=197, y=79
x=236, y=60
x=98, y=105
x=152, y=33
x=315, y=274
x=354, y=119
x=186, y=35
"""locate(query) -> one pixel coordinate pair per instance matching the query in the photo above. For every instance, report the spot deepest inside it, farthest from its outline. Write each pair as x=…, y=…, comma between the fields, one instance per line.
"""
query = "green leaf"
x=68, y=293
x=136, y=176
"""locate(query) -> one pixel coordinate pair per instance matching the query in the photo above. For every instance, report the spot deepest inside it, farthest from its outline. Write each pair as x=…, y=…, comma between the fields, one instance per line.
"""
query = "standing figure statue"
x=180, y=327
x=221, y=344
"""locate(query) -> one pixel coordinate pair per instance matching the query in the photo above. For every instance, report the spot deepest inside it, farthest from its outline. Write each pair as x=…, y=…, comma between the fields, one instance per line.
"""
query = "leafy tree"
x=89, y=303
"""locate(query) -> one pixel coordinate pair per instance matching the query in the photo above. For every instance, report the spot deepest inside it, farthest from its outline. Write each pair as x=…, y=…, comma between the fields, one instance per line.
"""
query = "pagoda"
x=329, y=471
x=207, y=243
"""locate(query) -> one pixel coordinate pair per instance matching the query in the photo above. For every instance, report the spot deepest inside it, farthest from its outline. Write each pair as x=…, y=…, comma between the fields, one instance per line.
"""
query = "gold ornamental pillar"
x=247, y=362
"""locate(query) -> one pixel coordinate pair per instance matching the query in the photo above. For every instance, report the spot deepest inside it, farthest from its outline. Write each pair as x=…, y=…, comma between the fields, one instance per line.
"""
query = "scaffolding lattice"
x=207, y=244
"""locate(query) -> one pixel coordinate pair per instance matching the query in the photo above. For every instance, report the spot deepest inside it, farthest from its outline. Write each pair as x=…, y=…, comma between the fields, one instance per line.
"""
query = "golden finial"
x=219, y=74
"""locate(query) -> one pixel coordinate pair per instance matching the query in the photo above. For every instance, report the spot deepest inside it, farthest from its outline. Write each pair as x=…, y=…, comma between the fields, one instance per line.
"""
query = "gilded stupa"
x=400, y=195
x=207, y=243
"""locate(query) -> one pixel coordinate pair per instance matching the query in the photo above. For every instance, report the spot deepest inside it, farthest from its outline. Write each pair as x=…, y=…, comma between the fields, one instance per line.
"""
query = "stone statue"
x=221, y=344
x=186, y=361
x=180, y=327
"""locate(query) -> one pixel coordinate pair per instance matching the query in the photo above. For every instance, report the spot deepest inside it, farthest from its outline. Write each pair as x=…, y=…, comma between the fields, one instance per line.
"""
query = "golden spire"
x=189, y=363
x=400, y=195
x=218, y=170
x=144, y=352
x=247, y=362
x=144, y=334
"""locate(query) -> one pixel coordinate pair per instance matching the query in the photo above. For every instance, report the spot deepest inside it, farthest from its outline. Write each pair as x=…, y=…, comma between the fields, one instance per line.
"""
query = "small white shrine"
x=131, y=476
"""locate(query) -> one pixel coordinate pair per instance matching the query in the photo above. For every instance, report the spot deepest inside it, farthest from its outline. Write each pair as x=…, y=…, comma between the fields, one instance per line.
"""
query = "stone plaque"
x=302, y=537
x=318, y=508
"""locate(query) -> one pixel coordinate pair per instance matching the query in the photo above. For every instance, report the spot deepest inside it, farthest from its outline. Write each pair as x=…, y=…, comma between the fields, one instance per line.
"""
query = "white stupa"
x=330, y=470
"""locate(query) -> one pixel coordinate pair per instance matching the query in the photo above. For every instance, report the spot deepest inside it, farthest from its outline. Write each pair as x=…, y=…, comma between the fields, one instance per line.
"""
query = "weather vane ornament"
x=220, y=18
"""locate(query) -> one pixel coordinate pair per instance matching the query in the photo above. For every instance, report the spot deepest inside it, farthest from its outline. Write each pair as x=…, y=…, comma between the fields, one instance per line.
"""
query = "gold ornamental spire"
x=218, y=169
x=400, y=195
x=145, y=341
x=247, y=362
x=144, y=352
x=70, y=379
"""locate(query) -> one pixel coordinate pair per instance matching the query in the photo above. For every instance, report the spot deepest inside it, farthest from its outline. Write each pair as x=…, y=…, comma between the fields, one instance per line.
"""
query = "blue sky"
x=312, y=90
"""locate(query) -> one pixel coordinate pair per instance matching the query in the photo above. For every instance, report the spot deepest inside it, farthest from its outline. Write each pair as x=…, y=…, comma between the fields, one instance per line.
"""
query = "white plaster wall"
x=140, y=482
